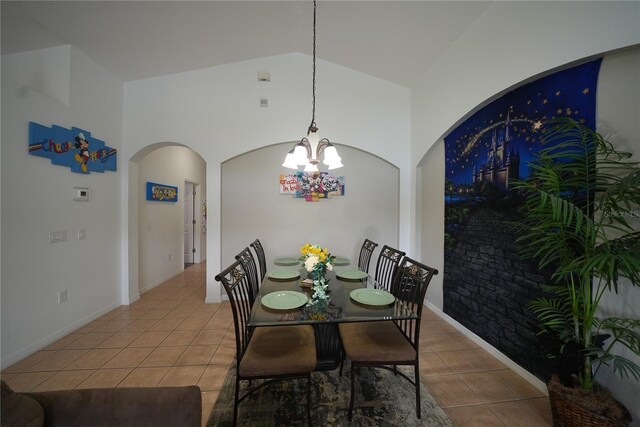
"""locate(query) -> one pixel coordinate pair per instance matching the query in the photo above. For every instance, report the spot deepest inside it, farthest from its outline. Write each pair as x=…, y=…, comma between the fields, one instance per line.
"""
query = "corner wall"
x=38, y=198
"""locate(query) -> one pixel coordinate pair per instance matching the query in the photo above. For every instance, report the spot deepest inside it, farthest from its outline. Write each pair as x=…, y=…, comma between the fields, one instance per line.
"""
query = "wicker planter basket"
x=568, y=412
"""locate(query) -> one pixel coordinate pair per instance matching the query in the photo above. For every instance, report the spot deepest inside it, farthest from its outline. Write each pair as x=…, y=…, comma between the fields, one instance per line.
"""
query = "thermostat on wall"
x=81, y=194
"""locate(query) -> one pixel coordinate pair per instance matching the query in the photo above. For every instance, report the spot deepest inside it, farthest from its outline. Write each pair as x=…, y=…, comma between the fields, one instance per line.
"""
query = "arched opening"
x=157, y=228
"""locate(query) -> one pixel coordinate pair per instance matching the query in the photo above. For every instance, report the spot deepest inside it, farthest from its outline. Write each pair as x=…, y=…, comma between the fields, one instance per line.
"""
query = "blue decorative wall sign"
x=73, y=147
x=161, y=192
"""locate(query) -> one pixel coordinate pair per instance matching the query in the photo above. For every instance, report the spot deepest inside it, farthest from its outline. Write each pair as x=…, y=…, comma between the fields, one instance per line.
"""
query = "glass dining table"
x=283, y=299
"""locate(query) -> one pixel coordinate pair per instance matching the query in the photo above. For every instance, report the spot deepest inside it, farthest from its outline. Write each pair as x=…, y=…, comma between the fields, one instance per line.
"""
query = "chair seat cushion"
x=279, y=350
x=380, y=342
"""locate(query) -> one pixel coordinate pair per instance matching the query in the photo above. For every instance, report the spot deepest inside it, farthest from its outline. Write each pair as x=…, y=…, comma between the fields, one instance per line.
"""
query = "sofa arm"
x=144, y=406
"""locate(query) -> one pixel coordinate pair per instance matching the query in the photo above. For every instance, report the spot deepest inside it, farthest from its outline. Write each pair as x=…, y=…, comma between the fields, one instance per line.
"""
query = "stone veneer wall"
x=487, y=287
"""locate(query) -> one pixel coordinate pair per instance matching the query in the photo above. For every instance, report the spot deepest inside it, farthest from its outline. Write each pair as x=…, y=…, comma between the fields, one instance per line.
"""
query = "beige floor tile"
x=197, y=355
x=208, y=336
x=218, y=323
x=432, y=327
x=431, y=364
x=93, y=359
x=131, y=315
x=518, y=384
x=229, y=338
x=139, y=325
x=58, y=360
x=473, y=416
x=163, y=356
x=119, y=340
x=192, y=324
x=520, y=413
x=27, y=364
x=449, y=390
x=166, y=325
x=64, y=380
x=168, y=304
x=213, y=377
x=488, y=387
x=150, y=339
x=63, y=342
x=27, y=381
x=112, y=326
x=144, y=377
x=89, y=340
x=208, y=401
x=129, y=357
x=155, y=314
x=113, y=314
x=89, y=327
x=475, y=360
x=224, y=355
x=448, y=342
x=105, y=378
x=182, y=375
x=179, y=338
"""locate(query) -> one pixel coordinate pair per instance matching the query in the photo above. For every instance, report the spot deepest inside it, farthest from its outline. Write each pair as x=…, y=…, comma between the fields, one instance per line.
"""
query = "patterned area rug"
x=381, y=399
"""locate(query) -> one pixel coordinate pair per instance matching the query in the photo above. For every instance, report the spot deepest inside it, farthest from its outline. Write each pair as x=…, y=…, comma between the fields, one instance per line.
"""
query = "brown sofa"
x=145, y=406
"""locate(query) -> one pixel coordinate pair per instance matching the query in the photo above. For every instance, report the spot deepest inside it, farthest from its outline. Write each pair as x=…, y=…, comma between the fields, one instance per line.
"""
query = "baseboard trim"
x=17, y=356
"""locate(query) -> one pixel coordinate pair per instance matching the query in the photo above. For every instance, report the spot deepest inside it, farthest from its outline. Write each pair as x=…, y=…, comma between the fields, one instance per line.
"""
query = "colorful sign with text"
x=161, y=192
x=312, y=186
x=73, y=147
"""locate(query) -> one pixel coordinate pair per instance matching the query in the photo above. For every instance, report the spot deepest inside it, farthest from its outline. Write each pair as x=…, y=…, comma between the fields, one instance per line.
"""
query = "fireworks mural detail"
x=494, y=145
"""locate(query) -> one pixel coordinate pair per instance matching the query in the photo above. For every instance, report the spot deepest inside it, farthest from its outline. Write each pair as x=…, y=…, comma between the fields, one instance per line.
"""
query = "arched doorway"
x=156, y=228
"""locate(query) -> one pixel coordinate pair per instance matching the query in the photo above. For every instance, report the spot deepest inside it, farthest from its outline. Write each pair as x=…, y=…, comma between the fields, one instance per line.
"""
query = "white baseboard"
x=19, y=355
x=149, y=286
x=528, y=376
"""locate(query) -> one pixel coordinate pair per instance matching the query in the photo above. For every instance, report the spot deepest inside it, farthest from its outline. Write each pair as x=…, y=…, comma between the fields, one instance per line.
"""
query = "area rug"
x=381, y=399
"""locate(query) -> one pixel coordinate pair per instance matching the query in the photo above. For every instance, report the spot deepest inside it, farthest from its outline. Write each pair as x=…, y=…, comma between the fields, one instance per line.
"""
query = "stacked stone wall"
x=487, y=287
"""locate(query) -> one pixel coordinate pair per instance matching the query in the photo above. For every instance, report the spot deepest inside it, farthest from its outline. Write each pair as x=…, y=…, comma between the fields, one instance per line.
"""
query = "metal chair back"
x=366, y=251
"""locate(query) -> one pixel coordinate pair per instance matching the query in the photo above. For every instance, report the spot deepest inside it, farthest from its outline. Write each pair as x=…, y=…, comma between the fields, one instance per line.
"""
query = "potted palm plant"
x=579, y=223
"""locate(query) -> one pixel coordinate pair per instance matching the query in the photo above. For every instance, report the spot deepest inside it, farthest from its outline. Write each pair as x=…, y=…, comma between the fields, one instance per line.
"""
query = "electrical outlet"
x=82, y=233
x=62, y=296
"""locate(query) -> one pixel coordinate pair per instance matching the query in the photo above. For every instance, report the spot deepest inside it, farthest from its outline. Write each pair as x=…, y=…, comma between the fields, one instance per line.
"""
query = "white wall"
x=618, y=110
x=216, y=112
x=160, y=224
x=253, y=208
x=38, y=198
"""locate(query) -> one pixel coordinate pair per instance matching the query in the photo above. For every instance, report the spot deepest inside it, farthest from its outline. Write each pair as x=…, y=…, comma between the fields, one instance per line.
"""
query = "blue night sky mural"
x=486, y=286
x=518, y=118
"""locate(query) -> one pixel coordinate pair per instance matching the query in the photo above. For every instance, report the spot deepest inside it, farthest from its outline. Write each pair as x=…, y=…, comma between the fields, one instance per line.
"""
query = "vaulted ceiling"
x=394, y=40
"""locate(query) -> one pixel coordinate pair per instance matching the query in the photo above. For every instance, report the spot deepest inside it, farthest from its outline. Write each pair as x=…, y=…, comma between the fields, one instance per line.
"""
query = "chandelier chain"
x=313, y=102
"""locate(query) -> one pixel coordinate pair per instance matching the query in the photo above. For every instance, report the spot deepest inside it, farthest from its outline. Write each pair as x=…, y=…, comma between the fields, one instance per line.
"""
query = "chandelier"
x=307, y=152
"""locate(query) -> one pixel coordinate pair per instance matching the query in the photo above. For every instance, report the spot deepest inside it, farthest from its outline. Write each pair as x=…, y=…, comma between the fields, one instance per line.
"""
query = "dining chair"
x=365, y=254
x=389, y=343
x=388, y=262
x=262, y=262
x=249, y=264
x=272, y=353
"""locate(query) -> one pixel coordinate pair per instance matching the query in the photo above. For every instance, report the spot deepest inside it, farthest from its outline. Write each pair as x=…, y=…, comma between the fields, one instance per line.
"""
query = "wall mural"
x=312, y=186
x=486, y=286
x=73, y=147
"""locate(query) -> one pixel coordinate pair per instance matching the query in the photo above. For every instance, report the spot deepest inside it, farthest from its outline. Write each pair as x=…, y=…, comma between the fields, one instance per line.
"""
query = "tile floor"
x=171, y=337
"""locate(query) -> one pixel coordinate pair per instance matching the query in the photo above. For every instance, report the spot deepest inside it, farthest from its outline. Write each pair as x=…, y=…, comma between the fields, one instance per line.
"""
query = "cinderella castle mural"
x=503, y=161
x=486, y=286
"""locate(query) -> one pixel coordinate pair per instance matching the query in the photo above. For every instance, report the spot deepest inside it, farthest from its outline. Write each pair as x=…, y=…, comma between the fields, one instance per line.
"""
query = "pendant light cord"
x=313, y=105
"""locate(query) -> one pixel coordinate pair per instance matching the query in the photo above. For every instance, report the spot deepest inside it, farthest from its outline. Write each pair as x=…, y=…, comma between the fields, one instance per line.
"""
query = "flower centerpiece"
x=317, y=261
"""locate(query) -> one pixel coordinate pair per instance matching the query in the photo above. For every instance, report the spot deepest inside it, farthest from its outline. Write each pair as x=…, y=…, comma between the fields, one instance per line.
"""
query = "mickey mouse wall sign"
x=73, y=147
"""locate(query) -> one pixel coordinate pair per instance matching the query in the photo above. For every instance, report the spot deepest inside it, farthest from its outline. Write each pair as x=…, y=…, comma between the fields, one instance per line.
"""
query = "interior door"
x=188, y=223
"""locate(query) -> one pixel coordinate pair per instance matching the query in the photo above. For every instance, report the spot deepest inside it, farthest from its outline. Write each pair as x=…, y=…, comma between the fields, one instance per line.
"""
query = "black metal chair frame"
x=262, y=262
x=249, y=265
x=366, y=251
x=236, y=283
x=409, y=286
x=387, y=265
